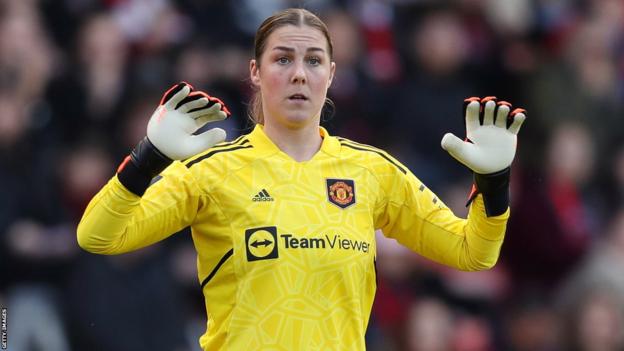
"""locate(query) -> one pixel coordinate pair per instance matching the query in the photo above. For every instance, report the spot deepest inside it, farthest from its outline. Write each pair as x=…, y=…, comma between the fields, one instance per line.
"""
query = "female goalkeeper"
x=283, y=219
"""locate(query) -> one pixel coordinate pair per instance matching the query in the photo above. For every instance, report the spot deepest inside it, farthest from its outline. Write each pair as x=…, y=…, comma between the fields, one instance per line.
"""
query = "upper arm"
x=414, y=216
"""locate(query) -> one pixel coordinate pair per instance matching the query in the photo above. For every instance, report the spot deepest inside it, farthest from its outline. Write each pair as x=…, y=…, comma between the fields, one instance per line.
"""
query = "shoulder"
x=221, y=157
x=210, y=166
x=373, y=158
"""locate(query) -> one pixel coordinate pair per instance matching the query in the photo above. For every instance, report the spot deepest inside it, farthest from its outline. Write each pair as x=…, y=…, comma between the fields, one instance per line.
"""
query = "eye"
x=314, y=61
x=283, y=60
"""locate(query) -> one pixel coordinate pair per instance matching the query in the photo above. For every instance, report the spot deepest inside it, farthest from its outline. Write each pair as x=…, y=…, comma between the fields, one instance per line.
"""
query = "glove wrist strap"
x=495, y=190
x=141, y=166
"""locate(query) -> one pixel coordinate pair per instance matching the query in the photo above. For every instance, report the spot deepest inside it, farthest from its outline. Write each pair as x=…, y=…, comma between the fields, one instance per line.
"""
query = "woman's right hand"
x=182, y=111
x=170, y=135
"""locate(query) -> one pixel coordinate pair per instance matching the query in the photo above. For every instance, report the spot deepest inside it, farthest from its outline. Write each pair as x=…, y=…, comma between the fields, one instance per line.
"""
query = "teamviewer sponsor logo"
x=324, y=242
x=261, y=243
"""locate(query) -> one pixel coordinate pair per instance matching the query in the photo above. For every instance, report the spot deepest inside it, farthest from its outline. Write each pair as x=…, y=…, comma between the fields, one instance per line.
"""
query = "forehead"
x=294, y=36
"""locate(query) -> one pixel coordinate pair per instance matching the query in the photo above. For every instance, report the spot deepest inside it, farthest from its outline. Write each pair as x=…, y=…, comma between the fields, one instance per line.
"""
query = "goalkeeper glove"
x=489, y=148
x=170, y=135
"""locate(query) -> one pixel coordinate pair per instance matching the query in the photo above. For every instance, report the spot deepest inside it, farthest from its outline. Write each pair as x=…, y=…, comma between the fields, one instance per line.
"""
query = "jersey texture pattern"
x=286, y=249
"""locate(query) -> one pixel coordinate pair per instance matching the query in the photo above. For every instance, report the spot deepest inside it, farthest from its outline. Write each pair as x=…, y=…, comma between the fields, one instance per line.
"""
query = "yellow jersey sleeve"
x=118, y=221
x=413, y=215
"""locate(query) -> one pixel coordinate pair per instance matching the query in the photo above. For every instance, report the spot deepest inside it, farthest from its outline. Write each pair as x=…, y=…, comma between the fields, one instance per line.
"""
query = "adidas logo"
x=263, y=195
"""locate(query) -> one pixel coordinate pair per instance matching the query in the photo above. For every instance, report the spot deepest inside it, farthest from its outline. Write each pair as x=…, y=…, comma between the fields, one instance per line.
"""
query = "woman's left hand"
x=490, y=144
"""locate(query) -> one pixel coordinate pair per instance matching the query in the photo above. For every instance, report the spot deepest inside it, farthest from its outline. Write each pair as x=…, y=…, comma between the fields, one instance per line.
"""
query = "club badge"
x=341, y=192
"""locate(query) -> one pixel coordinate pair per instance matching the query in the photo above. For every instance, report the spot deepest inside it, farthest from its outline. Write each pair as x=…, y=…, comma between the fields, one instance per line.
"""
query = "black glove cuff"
x=146, y=162
x=495, y=190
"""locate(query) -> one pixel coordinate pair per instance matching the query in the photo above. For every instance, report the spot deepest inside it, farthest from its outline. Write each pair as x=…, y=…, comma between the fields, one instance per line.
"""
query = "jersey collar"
x=265, y=146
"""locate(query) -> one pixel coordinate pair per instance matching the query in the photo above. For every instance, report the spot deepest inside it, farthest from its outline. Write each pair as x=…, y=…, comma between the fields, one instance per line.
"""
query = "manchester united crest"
x=341, y=192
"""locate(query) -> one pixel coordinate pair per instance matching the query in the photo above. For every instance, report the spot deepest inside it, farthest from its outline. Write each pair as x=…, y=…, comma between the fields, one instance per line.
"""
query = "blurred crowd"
x=80, y=78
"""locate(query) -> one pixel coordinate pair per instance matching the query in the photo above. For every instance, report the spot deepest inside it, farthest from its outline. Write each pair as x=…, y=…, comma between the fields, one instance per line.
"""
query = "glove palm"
x=180, y=114
x=490, y=146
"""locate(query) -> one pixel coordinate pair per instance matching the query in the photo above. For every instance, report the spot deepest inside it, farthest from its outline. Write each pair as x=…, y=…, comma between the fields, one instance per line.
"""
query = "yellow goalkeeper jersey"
x=286, y=249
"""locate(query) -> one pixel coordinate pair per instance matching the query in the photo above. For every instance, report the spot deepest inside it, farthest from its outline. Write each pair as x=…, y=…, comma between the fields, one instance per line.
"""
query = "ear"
x=332, y=71
x=254, y=73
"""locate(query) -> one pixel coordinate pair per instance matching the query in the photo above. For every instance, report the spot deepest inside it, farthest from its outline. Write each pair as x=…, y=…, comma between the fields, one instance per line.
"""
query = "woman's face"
x=293, y=75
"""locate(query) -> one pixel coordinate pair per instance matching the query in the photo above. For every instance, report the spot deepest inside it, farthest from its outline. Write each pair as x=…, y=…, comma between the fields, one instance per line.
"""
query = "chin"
x=298, y=119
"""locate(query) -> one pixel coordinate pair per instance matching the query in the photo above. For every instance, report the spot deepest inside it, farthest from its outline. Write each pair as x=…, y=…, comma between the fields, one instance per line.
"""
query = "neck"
x=300, y=144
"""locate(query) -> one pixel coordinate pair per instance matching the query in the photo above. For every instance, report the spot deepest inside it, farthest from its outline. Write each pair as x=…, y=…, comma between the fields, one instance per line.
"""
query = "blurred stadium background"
x=80, y=78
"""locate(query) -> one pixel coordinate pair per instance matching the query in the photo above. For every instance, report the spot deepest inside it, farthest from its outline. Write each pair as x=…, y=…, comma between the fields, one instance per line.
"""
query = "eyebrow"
x=289, y=49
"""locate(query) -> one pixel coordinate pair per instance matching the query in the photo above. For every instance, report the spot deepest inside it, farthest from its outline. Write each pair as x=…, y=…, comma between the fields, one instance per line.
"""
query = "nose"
x=299, y=74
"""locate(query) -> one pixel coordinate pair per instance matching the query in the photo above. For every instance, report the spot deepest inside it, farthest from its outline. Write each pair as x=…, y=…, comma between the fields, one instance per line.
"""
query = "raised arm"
x=416, y=217
x=128, y=213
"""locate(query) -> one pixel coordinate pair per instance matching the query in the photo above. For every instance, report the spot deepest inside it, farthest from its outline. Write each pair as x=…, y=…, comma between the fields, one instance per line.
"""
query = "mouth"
x=298, y=97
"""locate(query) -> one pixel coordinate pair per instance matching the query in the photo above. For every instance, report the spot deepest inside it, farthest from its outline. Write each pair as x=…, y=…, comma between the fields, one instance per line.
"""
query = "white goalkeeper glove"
x=171, y=135
x=491, y=143
x=180, y=114
x=489, y=148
